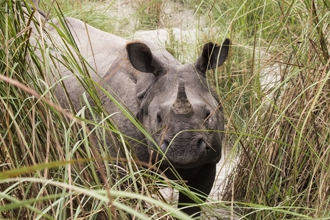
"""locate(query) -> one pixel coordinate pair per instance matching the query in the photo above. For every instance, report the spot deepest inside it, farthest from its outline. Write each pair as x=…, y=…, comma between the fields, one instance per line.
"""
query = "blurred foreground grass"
x=274, y=90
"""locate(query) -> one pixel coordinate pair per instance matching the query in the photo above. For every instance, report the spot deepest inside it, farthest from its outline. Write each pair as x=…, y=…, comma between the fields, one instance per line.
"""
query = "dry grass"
x=280, y=133
x=284, y=158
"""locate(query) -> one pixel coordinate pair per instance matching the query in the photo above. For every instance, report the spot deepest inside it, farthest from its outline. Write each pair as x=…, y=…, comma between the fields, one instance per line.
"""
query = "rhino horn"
x=182, y=105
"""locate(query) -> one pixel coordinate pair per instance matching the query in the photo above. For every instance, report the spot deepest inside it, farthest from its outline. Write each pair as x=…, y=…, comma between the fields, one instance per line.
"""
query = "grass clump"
x=283, y=132
x=274, y=90
x=149, y=13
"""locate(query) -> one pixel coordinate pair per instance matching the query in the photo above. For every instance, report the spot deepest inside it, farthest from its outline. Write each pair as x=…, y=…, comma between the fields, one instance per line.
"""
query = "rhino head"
x=178, y=107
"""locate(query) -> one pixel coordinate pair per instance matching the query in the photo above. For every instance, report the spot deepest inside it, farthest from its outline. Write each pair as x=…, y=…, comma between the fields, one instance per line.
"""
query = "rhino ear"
x=142, y=59
x=212, y=56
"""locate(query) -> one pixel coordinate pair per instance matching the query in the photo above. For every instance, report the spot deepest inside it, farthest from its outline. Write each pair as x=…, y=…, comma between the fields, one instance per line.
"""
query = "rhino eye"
x=207, y=114
x=159, y=118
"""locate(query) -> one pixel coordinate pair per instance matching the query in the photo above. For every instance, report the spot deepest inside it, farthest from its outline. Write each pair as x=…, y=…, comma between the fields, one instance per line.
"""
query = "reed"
x=274, y=91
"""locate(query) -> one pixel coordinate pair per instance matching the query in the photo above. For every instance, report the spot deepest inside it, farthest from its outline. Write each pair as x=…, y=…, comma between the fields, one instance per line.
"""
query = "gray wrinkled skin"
x=174, y=102
x=176, y=105
x=185, y=138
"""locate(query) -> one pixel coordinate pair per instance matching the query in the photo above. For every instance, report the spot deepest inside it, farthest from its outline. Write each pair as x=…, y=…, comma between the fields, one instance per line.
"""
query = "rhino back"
x=98, y=48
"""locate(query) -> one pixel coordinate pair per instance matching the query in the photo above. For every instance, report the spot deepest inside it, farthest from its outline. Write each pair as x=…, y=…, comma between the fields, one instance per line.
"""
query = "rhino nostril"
x=207, y=114
x=201, y=143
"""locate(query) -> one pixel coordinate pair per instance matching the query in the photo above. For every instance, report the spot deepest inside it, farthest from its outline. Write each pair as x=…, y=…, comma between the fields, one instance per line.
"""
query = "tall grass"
x=281, y=129
x=274, y=90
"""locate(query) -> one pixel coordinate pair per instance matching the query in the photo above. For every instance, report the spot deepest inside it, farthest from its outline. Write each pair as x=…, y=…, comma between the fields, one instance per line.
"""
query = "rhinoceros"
x=174, y=102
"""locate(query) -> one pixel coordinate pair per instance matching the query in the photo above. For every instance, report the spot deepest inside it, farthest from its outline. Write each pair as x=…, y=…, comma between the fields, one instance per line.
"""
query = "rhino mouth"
x=184, y=155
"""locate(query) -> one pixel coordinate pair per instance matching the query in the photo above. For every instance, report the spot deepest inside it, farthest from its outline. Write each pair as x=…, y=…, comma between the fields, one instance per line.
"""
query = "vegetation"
x=274, y=90
x=281, y=129
x=50, y=166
